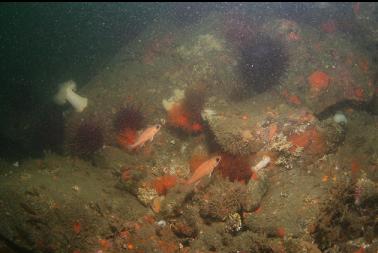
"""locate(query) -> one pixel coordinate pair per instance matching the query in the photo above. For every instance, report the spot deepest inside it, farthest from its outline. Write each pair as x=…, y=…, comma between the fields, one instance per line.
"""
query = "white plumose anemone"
x=262, y=164
x=67, y=93
x=340, y=118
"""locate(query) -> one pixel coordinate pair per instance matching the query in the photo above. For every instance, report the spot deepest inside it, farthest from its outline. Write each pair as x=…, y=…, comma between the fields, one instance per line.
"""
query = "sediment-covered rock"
x=255, y=192
x=218, y=204
x=290, y=206
x=271, y=126
x=62, y=205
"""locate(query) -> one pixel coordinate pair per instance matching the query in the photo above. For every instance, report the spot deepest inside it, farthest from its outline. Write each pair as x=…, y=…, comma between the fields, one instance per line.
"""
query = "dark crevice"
x=331, y=110
x=11, y=245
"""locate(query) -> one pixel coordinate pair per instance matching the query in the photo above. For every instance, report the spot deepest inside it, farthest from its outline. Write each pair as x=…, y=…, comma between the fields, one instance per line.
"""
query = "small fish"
x=146, y=135
x=204, y=169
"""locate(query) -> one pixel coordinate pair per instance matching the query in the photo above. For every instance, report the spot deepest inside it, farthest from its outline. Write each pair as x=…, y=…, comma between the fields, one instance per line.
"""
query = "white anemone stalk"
x=67, y=93
x=262, y=164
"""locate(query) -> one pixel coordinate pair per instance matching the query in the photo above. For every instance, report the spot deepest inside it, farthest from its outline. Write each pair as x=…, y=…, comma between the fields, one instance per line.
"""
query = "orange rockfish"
x=204, y=169
x=146, y=135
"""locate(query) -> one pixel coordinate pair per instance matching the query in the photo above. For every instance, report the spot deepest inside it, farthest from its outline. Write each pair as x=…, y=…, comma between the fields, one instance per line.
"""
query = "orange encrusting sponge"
x=318, y=81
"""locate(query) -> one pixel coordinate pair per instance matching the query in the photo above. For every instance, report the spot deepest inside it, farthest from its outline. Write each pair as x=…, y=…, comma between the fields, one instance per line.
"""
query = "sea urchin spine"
x=186, y=115
x=264, y=61
x=88, y=139
x=127, y=122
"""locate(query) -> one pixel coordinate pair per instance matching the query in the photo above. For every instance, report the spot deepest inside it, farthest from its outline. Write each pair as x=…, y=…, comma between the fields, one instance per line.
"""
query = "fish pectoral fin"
x=210, y=174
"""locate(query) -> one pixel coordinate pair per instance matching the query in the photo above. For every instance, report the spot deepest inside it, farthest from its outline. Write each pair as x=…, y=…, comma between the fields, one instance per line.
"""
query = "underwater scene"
x=189, y=127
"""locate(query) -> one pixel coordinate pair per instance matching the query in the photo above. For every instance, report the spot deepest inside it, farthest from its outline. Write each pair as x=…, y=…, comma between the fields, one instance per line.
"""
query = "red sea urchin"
x=127, y=122
x=88, y=138
x=235, y=168
x=186, y=115
x=130, y=117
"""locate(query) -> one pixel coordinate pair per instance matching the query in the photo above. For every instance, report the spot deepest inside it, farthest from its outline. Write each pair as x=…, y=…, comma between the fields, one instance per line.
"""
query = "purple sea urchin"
x=88, y=138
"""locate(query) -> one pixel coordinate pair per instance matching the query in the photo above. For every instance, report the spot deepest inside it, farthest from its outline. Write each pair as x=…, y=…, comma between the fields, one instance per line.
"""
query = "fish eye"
x=217, y=159
x=158, y=126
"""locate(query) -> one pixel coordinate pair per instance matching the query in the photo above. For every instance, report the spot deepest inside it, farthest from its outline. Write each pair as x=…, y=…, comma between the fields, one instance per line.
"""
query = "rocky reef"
x=285, y=163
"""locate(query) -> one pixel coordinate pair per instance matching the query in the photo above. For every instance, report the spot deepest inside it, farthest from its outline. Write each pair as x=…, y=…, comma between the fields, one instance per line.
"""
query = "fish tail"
x=132, y=146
